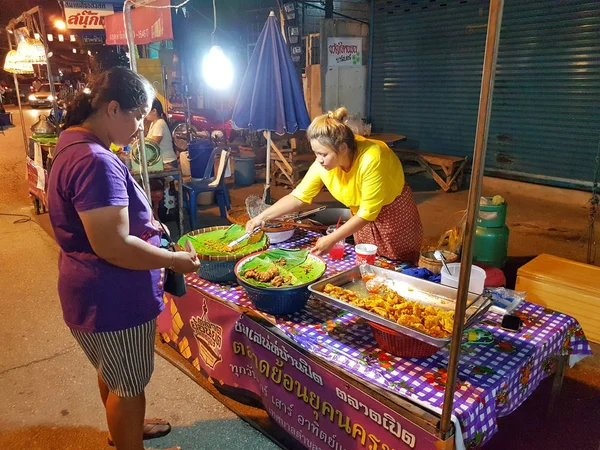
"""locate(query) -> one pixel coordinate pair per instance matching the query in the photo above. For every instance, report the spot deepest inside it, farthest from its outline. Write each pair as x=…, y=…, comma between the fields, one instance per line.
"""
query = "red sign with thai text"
x=149, y=25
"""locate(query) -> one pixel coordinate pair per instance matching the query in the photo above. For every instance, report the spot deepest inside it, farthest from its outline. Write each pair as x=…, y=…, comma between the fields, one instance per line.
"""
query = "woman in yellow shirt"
x=366, y=176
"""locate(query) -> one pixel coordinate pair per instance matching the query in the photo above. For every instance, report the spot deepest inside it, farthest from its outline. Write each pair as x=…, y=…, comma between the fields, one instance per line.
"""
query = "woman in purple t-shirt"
x=110, y=266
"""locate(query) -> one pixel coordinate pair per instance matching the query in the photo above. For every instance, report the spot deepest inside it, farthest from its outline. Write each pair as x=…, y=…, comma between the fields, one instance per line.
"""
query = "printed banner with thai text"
x=344, y=51
x=86, y=16
x=149, y=25
x=318, y=408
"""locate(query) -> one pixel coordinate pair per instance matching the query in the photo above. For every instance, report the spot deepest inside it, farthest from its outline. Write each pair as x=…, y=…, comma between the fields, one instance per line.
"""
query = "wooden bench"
x=451, y=166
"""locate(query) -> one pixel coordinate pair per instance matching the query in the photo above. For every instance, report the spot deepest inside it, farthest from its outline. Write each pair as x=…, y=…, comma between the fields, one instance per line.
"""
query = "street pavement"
x=48, y=392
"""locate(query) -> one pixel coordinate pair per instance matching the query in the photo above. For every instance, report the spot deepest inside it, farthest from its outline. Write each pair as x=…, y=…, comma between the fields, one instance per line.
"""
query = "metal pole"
x=49, y=69
x=267, y=192
x=133, y=66
x=481, y=136
x=370, y=62
x=16, y=81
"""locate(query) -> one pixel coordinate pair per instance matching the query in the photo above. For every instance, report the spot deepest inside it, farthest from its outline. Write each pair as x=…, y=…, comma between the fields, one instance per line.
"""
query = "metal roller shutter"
x=545, y=125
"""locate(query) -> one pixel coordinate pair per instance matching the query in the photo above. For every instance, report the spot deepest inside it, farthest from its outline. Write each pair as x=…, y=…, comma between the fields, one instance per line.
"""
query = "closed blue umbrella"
x=270, y=97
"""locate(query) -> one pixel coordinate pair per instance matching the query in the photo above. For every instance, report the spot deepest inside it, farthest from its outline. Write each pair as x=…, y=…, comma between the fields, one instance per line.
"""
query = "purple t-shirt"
x=95, y=295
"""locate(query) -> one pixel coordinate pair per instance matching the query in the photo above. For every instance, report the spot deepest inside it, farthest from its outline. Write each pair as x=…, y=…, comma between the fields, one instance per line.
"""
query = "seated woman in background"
x=159, y=132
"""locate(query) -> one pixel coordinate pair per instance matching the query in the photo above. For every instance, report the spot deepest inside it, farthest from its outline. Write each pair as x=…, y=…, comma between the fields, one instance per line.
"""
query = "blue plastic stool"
x=192, y=189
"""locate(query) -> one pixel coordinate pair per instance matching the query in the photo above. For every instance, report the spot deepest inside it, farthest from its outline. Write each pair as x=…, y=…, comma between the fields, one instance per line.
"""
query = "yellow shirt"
x=375, y=179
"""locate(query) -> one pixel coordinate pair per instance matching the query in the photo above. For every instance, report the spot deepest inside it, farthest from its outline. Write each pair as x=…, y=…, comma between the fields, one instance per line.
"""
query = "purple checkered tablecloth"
x=493, y=380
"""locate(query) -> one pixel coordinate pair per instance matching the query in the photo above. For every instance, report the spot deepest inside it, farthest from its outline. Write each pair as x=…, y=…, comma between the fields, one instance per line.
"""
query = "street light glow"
x=60, y=25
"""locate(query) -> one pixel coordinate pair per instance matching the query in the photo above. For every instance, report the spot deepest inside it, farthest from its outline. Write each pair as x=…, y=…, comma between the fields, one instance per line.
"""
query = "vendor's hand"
x=323, y=246
x=253, y=223
x=185, y=262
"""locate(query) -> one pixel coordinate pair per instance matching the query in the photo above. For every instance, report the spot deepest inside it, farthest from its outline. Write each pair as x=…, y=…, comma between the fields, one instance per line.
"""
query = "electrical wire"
x=24, y=218
x=214, y=16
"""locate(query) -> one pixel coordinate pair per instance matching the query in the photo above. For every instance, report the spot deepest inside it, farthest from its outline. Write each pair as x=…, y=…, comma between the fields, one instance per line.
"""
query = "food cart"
x=322, y=377
x=324, y=380
x=39, y=157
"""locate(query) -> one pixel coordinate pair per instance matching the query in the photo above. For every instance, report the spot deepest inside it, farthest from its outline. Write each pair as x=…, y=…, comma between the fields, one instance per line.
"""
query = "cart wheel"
x=36, y=206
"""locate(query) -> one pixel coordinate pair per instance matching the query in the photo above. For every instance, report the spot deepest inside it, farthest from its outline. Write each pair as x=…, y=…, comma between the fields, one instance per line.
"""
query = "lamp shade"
x=31, y=51
x=12, y=64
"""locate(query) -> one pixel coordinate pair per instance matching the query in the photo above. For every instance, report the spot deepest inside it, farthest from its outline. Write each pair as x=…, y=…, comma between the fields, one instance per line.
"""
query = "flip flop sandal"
x=153, y=429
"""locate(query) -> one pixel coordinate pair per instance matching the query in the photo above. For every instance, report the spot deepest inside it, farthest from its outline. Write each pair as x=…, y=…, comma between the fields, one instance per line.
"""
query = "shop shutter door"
x=545, y=126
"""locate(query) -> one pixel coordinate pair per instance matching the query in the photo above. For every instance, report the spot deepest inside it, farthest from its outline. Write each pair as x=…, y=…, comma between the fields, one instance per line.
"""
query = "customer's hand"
x=185, y=262
x=253, y=223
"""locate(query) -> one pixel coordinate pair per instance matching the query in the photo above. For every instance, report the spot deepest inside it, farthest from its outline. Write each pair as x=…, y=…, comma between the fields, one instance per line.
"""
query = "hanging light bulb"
x=12, y=64
x=50, y=38
x=72, y=38
x=61, y=38
x=217, y=70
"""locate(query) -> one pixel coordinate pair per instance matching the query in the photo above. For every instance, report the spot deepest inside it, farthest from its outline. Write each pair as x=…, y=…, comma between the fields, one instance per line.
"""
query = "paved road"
x=48, y=393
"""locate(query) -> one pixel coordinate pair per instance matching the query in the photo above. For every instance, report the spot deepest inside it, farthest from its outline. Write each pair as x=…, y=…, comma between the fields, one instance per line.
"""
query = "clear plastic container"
x=476, y=283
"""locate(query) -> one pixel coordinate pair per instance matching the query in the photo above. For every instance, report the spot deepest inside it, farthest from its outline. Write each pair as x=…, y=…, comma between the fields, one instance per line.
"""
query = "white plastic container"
x=476, y=283
x=184, y=162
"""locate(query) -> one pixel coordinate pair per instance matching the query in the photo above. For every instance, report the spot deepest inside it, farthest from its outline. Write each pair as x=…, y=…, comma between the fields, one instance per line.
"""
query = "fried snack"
x=265, y=277
x=218, y=246
x=435, y=322
x=271, y=276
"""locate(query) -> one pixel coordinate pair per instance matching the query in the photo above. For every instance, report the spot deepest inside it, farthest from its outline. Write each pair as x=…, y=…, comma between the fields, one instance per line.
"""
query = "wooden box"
x=566, y=286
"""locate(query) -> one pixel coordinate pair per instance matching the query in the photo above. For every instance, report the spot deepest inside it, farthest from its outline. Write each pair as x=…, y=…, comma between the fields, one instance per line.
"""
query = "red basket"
x=399, y=344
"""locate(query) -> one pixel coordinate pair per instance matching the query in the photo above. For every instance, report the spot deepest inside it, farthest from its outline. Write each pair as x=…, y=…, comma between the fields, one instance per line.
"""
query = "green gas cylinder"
x=491, y=236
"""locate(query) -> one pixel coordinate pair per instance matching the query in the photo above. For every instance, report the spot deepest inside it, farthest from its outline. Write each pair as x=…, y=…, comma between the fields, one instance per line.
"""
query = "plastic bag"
x=373, y=282
x=506, y=300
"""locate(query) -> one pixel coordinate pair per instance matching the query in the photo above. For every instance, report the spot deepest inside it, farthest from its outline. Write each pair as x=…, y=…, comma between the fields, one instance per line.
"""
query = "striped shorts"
x=124, y=359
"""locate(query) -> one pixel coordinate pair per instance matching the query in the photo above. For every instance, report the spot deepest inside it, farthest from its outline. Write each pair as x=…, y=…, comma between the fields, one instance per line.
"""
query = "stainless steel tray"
x=411, y=288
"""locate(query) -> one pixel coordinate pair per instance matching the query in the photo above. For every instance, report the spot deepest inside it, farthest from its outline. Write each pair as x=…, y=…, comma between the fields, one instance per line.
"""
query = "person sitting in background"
x=159, y=132
x=36, y=85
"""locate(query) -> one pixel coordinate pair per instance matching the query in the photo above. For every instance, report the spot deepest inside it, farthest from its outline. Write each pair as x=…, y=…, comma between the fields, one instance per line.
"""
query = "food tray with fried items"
x=410, y=306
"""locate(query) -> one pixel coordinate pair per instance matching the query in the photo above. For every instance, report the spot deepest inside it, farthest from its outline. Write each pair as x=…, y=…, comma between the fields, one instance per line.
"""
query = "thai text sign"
x=149, y=25
x=313, y=405
x=344, y=51
x=86, y=16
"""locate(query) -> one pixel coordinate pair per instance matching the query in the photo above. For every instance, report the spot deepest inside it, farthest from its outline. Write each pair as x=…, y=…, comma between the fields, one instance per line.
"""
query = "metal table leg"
x=559, y=376
x=180, y=199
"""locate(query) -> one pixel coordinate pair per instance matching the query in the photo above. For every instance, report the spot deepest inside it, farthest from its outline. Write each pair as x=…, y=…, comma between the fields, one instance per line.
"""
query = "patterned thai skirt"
x=397, y=232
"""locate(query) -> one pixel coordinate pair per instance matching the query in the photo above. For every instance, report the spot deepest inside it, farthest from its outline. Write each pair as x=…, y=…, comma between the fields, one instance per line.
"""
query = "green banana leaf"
x=203, y=246
x=299, y=267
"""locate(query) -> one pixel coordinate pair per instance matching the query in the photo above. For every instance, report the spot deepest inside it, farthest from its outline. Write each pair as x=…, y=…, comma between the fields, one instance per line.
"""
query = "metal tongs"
x=245, y=236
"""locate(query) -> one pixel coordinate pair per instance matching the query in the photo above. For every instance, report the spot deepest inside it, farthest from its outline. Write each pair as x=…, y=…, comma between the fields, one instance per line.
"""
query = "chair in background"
x=216, y=184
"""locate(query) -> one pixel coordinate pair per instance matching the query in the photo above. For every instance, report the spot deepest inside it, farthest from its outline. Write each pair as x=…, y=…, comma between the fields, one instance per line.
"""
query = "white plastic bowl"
x=476, y=283
x=280, y=236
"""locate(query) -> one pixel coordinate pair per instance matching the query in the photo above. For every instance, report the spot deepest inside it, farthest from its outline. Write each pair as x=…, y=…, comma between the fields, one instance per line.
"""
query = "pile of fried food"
x=435, y=322
x=218, y=246
x=271, y=275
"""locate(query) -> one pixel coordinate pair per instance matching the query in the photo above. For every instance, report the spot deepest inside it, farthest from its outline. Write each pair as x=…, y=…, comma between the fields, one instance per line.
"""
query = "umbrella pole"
x=481, y=136
x=267, y=192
